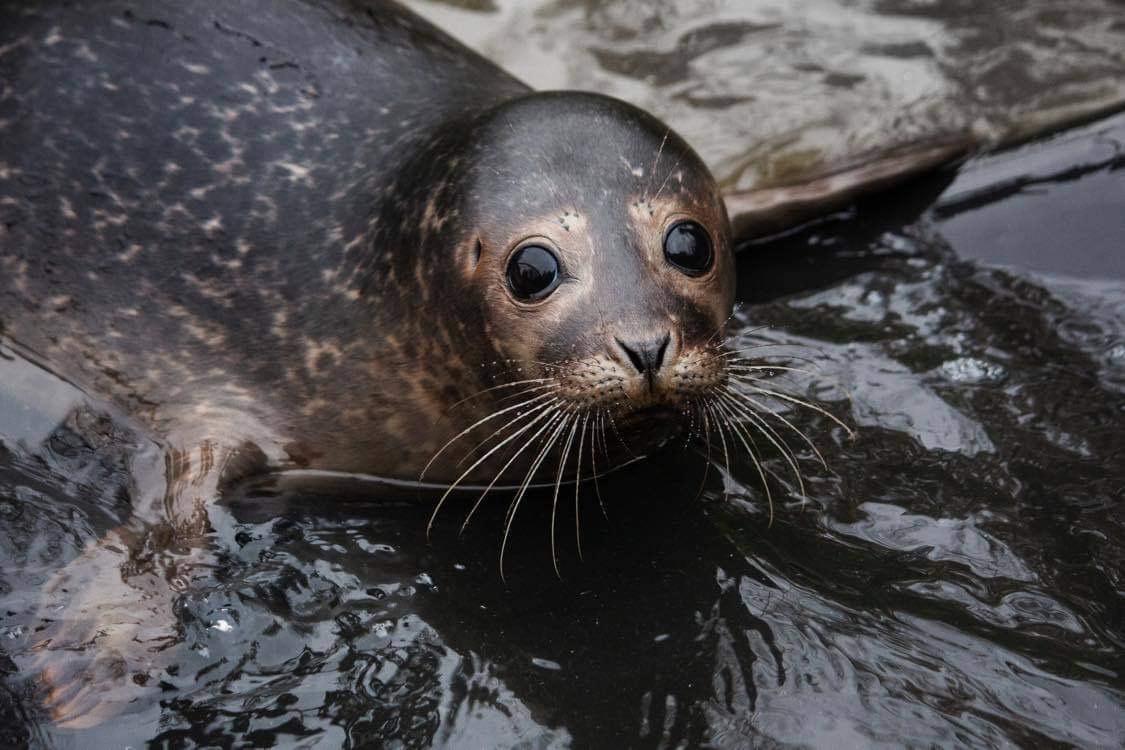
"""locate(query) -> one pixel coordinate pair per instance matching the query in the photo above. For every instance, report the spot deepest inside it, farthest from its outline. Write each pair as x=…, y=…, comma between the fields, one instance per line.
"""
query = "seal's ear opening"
x=477, y=250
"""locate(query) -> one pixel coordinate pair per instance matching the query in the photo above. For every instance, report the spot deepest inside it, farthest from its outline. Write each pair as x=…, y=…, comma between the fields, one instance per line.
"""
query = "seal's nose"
x=648, y=356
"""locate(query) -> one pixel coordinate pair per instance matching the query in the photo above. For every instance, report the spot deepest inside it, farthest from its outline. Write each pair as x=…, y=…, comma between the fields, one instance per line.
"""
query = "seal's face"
x=606, y=281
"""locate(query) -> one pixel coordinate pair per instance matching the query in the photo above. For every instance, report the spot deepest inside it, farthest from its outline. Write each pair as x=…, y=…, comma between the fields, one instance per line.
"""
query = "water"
x=953, y=578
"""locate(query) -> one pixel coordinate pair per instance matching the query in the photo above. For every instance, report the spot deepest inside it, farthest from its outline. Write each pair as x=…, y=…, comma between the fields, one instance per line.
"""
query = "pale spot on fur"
x=297, y=172
x=202, y=334
x=232, y=264
x=207, y=289
x=128, y=254
x=637, y=172
x=59, y=301
x=280, y=323
x=85, y=53
x=54, y=36
x=67, y=209
x=199, y=70
x=314, y=350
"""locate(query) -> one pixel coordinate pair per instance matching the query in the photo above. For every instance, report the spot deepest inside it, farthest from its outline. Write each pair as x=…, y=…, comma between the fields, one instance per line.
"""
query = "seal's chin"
x=647, y=428
x=654, y=415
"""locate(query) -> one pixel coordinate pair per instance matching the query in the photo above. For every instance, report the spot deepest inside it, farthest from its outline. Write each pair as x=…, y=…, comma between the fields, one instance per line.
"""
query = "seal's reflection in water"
x=420, y=640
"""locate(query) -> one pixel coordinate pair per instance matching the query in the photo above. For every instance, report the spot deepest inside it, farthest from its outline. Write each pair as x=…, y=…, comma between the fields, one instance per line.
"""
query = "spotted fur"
x=286, y=223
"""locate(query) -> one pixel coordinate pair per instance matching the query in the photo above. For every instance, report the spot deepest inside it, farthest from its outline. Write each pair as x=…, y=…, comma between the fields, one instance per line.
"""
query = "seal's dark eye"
x=533, y=272
x=688, y=248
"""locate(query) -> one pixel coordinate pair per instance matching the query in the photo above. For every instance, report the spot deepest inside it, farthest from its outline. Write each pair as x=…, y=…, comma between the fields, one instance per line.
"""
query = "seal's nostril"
x=634, y=356
x=648, y=357
x=659, y=360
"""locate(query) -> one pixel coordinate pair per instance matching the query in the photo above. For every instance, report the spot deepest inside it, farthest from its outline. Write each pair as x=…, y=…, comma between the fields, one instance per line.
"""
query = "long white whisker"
x=514, y=507
x=799, y=402
x=498, y=387
x=595, y=430
x=764, y=408
x=656, y=161
x=739, y=367
x=722, y=326
x=737, y=353
x=478, y=462
x=771, y=435
x=578, y=485
x=617, y=433
x=555, y=416
x=743, y=436
x=707, y=460
x=521, y=415
x=667, y=177
x=722, y=438
x=558, y=481
x=475, y=425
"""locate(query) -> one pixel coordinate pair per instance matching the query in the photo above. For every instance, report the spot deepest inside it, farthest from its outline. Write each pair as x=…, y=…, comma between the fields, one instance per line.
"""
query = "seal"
x=324, y=235
x=317, y=228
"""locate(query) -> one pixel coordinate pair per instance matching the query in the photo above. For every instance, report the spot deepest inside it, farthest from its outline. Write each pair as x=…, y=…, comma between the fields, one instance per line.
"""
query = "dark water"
x=955, y=577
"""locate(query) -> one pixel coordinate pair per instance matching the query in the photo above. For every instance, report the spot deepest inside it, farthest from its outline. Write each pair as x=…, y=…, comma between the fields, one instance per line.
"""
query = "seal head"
x=591, y=270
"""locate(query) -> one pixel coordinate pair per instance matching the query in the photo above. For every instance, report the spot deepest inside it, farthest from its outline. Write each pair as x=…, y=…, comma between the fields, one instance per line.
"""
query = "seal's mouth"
x=652, y=415
x=647, y=428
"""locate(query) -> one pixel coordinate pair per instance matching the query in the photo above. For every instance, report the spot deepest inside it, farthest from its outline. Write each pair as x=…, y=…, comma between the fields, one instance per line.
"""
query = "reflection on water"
x=953, y=579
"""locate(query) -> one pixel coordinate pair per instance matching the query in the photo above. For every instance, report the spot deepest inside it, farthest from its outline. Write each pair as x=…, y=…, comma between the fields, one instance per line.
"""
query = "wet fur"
x=262, y=224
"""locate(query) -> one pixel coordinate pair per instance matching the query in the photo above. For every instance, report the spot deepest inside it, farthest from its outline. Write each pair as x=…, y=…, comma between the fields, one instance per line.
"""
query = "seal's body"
x=289, y=224
x=195, y=201
x=295, y=224
x=320, y=233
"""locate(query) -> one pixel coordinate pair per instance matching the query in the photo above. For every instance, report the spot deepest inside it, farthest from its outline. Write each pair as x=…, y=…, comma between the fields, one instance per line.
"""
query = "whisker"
x=722, y=326
x=738, y=367
x=739, y=352
x=479, y=461
x=667, y=177
x=530, y=390
x=795, y=400
x=771, y=435
x=472, y=427
x=764, y=408
x=578, y=485
x=617, y=434
x=722, y=437
x=558, y=481
x=555, y=416
x=743, y=436
x=498, y=387
x=519, y=416
x=595, y=429
x=707, y=459
x=514, y=506
x=689, y=433
x=656, y=161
